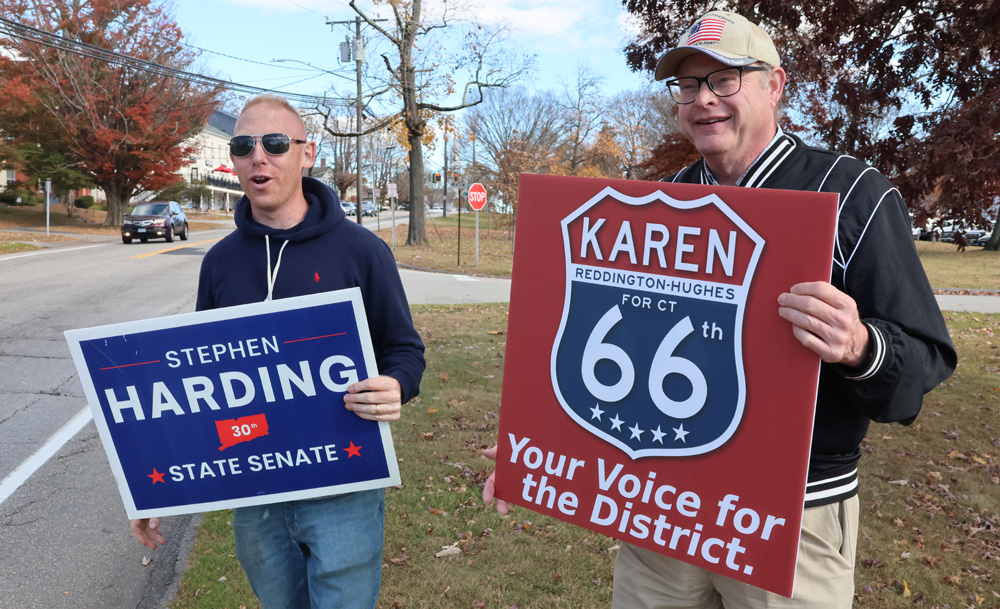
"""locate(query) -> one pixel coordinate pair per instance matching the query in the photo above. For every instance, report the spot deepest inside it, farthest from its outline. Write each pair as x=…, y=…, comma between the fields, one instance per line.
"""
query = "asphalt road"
x=64, y=539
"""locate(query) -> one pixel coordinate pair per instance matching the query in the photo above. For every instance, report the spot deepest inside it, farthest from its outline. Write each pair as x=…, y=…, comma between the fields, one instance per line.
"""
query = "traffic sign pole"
x=477, y=201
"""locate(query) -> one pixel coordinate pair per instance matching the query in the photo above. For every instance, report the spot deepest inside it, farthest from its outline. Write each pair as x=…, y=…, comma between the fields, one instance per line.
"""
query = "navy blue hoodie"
x=324, y=252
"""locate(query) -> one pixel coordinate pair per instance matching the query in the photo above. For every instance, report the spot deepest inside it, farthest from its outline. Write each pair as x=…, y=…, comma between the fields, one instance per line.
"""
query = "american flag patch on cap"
x=706, y=29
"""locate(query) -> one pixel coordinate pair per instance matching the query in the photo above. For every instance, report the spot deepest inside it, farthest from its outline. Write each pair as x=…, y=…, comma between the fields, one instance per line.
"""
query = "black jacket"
x=875, y=263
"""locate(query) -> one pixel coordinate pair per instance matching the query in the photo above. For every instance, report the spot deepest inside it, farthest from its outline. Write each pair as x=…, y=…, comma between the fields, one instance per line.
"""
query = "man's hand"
x=489, y=489
x=146, y=531
x=376, y=399
x=826, y=321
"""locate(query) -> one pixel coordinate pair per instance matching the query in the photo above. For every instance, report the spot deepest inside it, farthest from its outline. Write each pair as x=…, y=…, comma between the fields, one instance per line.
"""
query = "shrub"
x=84, y=202
x=18, y=194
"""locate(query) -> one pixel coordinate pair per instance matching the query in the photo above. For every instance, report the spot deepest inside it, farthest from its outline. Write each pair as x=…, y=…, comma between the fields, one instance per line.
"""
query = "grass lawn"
x=930, y=496
x=442, y=251
x=946, y=267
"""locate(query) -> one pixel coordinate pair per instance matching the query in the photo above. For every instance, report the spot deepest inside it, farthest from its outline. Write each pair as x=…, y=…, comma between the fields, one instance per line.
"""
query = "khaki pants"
x=824, y=573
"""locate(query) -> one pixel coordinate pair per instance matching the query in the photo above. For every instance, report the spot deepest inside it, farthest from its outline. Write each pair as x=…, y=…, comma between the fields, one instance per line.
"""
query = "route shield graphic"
x=670, y=279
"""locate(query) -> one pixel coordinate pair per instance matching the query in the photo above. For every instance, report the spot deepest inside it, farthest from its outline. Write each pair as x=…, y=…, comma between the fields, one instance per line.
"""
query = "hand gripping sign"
x=235, y=406
x=651, y=391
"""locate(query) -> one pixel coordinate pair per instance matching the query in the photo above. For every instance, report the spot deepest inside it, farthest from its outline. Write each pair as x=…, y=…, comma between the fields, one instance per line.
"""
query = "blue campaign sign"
x=236, y=406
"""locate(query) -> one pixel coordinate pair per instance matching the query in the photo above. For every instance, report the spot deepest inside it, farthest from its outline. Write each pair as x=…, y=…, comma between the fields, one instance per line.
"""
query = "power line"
x=48, y=39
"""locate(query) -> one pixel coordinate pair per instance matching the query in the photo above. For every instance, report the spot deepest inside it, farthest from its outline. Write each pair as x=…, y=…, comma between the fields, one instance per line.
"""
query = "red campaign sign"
x=651, y=391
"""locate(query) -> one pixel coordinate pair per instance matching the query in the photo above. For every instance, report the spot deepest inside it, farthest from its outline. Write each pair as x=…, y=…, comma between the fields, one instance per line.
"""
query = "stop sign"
x=477, y=196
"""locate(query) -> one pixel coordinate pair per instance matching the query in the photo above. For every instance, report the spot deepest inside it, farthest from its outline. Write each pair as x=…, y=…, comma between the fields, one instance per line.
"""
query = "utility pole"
x=444, y=205
x=358, y=52
x=359, y=57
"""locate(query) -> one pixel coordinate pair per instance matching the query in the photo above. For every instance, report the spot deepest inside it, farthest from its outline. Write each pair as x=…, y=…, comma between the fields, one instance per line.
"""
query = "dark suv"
x=155, y=220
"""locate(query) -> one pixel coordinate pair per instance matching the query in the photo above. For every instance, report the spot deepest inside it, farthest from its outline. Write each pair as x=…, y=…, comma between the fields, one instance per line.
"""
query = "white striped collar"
x=762, y=168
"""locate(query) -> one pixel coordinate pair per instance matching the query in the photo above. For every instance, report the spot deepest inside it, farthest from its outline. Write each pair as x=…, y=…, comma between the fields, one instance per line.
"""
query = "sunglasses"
x=273, y=143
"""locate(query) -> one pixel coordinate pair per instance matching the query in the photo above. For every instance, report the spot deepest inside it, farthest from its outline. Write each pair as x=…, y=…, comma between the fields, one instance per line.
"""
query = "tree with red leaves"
x=912, y=88
x=126, y=125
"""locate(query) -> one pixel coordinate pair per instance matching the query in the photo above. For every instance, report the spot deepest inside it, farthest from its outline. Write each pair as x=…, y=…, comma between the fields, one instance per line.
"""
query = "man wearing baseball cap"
x=875, y=325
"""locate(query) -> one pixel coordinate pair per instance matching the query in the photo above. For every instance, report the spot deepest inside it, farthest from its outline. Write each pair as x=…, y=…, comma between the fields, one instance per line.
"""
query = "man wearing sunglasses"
x=293, y=239
x=875, y=325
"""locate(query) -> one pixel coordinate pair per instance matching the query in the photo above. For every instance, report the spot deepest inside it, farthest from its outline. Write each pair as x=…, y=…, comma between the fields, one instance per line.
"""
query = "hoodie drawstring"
x=272, y=276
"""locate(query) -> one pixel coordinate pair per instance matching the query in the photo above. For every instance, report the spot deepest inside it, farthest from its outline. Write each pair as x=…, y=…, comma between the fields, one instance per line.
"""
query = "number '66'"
x=663, y=365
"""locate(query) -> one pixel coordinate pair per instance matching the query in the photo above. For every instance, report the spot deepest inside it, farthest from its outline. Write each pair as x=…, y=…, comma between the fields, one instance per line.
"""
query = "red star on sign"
x=156, y=476
x=353, y=451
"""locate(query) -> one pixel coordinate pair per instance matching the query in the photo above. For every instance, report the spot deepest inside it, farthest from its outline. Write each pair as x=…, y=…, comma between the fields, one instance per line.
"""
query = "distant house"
x=324, y=173
x=210, y=165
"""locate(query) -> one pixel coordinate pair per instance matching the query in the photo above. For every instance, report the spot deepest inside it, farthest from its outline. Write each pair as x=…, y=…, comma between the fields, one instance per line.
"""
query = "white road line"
x=48, y=450
x=464, y=278
x=52, y=251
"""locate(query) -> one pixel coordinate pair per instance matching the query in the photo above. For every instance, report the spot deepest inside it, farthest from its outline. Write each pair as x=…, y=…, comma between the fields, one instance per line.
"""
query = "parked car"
x=155, y=220
x=349, y=208
x=368, y=209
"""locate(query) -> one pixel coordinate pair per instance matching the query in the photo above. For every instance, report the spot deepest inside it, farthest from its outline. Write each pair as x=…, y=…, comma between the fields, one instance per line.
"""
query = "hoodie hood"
x=323, y=214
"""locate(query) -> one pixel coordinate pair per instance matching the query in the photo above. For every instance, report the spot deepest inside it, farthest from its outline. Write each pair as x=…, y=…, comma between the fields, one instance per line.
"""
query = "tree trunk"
x=417, y=233
x=118, y=199
x=415, y=125
x=993, y=245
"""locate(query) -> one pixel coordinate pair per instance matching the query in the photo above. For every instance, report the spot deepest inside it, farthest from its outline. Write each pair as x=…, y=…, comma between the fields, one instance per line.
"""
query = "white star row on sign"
x=616, y=425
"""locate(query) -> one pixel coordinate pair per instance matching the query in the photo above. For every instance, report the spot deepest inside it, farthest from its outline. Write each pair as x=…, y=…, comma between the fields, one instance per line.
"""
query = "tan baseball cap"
x=727, y=37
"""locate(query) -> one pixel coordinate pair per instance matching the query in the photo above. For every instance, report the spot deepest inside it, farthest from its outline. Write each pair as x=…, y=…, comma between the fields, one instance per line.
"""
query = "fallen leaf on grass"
x=432, y=411
x=444, y=376
x=952, y=580
x=400, y=560
x=906, y=590
x=451, y=550
x=931, y=560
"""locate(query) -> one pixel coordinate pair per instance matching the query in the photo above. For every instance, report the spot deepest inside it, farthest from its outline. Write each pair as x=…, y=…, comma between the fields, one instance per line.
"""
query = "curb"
x=411, y=267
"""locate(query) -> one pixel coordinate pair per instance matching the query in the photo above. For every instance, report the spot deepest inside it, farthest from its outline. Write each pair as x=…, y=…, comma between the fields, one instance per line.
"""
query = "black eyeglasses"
x=723, y=83
x=273, y=143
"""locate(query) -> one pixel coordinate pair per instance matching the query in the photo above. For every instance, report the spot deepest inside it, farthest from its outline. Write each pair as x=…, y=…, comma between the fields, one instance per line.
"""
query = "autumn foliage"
x=125, y=126
x=910, y=87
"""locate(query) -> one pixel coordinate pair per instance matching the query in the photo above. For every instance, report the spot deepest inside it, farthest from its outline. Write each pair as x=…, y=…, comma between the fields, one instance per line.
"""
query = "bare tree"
x=515, y=133
x=640, y=119
x=421, y=71
x=583, y=107
x=336, y=120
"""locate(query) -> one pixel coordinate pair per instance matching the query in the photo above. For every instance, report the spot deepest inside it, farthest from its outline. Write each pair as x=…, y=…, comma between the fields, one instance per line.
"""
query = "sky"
x=243, y=37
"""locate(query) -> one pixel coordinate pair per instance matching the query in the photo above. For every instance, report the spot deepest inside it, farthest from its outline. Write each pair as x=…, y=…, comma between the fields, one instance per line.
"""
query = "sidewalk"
x=969, y=303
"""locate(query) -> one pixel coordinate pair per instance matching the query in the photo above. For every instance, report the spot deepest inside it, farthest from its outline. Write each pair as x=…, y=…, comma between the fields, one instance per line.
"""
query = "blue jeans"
x=321, y=553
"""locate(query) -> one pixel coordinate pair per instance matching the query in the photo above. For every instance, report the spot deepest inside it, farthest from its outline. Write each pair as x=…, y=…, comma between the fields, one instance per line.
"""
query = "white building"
x=210, y=164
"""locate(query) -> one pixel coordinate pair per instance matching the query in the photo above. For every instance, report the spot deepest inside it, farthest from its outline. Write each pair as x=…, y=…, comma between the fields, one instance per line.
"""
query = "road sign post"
x=393, y=194
x=477, y=201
